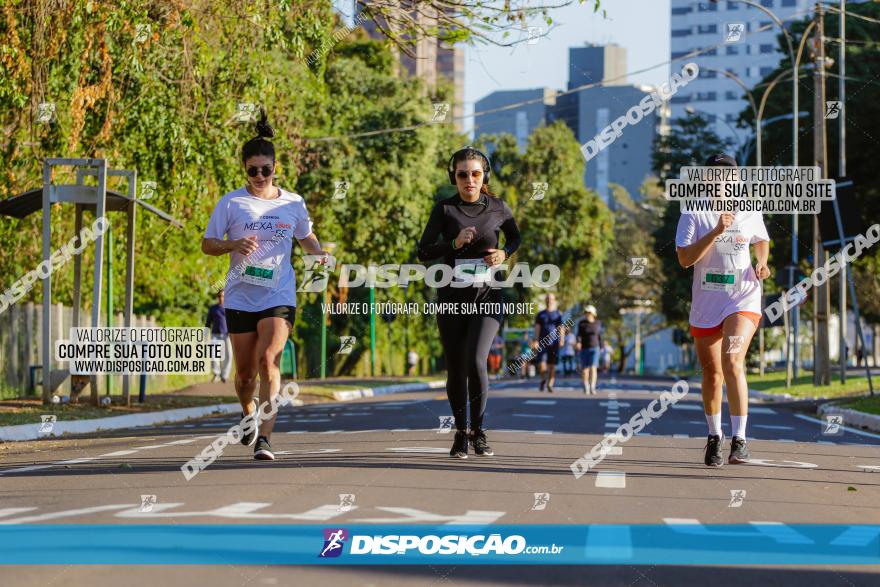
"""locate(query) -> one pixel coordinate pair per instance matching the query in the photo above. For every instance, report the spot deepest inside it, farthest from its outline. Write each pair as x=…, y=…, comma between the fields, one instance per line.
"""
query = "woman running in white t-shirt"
x=725, y=310
x=255, y=225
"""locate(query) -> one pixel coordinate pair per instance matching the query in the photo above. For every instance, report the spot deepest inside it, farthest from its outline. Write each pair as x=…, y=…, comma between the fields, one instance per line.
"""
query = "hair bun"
x=264, y=129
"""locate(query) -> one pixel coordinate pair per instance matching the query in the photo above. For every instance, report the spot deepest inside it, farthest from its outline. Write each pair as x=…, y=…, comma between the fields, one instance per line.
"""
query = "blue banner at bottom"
x=284, y=544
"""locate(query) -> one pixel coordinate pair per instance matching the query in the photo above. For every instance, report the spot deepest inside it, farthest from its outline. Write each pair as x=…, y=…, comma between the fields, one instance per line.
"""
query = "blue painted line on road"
x=359, y=544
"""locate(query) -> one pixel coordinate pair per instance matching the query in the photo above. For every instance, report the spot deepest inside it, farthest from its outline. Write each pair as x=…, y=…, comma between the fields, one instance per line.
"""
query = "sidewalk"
x=331, y=389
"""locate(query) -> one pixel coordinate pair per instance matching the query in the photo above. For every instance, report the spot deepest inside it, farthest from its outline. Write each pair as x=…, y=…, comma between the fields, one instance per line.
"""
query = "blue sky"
x=641, y=26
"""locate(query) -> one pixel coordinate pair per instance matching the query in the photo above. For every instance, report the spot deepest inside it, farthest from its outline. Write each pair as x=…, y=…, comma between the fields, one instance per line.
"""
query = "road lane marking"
x=532, y=415
x=782, y=464
x=541, y=402
x=847, y=428
x=543, y=432
x=870, y=468
x=65, y=514
x=611, y=479
x=418, y=449
x=414, y=516
x=771, y=427
x=680, y=436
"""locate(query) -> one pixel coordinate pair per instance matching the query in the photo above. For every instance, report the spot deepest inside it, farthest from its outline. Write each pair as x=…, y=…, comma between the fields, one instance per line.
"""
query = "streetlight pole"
x=841, y=172
x=794, y=151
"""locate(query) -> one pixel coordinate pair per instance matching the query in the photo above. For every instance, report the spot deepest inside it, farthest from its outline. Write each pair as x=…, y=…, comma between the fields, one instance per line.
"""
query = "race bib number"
x=471, y=271
x=718, y=280
x=261, y=275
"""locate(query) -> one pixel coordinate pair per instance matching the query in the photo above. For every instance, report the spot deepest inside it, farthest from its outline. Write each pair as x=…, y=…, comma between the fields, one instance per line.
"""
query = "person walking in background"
x=589, y=341
x=548, y=338
x=412, y=359
x=496, y=353
x=607, y=355
x=567, y=353
x=219, y=334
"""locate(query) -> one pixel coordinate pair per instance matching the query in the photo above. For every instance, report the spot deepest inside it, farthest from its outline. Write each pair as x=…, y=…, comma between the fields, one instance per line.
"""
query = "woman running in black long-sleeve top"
x=464, y=229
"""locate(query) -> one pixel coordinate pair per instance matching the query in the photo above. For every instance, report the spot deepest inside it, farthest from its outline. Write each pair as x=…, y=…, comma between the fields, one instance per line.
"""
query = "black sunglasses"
x=266, y=169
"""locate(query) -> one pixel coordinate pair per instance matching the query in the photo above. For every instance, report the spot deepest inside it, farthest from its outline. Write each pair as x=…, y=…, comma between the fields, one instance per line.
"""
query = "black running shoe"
x=714, y=448
x=739, y=452
x=481, y=447
x=263, y=450
x=541, y=386
x=249, y=427
x=460, y=445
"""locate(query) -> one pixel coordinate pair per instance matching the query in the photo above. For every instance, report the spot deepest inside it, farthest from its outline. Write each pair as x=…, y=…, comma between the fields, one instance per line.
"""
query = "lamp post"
x=329, y=247
x=641, y=307
x=794, y=146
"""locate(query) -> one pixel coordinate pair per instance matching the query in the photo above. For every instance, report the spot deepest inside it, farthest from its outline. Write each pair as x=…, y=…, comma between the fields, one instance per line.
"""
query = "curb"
x=32, y=431
x=852, y=418
x=351, y=394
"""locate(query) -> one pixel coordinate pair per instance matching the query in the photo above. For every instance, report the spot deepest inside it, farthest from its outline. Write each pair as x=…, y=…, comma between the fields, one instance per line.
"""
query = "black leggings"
x=466, y=343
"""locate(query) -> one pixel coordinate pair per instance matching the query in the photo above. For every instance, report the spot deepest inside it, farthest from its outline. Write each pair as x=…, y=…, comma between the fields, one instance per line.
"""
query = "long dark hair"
x=259, y=145
x=473, y=154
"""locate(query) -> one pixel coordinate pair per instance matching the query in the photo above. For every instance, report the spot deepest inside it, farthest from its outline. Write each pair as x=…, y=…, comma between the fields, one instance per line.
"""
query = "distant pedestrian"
x=412, y=359
x=219, y=334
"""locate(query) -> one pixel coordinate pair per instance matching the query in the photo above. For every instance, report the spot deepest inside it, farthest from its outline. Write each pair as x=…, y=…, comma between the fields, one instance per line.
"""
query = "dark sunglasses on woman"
x=266, y=171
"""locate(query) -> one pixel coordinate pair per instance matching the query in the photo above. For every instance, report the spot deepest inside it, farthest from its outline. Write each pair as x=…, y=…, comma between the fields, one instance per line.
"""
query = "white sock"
x=714, y=422
x=738, y=425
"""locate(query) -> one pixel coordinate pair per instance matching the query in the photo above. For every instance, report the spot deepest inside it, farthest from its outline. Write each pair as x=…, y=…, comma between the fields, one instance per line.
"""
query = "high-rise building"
x=432, y=60
x=747, y=48
x=531, y=110
x=627, y=161
x=586, y=112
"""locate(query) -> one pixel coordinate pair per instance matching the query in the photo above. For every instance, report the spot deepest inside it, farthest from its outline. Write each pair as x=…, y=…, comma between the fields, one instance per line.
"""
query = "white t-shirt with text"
x=724, y=280
x=265, y=278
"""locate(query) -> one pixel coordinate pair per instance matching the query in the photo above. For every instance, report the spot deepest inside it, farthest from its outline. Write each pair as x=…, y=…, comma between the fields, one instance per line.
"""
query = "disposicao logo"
x=334, y=542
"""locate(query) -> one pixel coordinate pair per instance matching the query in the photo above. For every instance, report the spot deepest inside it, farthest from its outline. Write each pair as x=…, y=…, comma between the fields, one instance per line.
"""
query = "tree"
x=863, y=128
x=568, y=226
x=690, y=141
x=633, y=270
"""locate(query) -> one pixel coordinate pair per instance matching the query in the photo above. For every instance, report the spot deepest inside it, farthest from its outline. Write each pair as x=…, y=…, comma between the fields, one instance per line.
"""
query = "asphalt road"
x=390, y=456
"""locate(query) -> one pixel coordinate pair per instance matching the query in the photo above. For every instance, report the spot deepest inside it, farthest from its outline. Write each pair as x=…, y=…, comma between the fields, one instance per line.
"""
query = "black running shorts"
x=239, y=321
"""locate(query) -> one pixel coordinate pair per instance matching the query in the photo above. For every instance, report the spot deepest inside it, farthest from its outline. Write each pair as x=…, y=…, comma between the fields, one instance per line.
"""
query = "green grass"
x=871, y=405
x=28, y=411
x=803, y=385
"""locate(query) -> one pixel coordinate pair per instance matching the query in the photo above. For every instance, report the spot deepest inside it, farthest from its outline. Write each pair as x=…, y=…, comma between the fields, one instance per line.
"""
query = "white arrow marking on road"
x=65, y=514
x=242, y=510
x=414, y=516
x=541, y=402
x=784, y=464
x=611, y=479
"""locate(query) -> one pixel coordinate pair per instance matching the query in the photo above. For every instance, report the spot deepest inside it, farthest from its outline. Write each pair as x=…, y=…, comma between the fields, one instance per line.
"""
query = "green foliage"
x=863, y=128
x=690, y=141
x=570, y=227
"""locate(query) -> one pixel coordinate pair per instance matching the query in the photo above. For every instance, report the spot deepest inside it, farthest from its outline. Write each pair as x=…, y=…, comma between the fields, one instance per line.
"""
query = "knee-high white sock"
x=738, y=426
x=714, y=422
